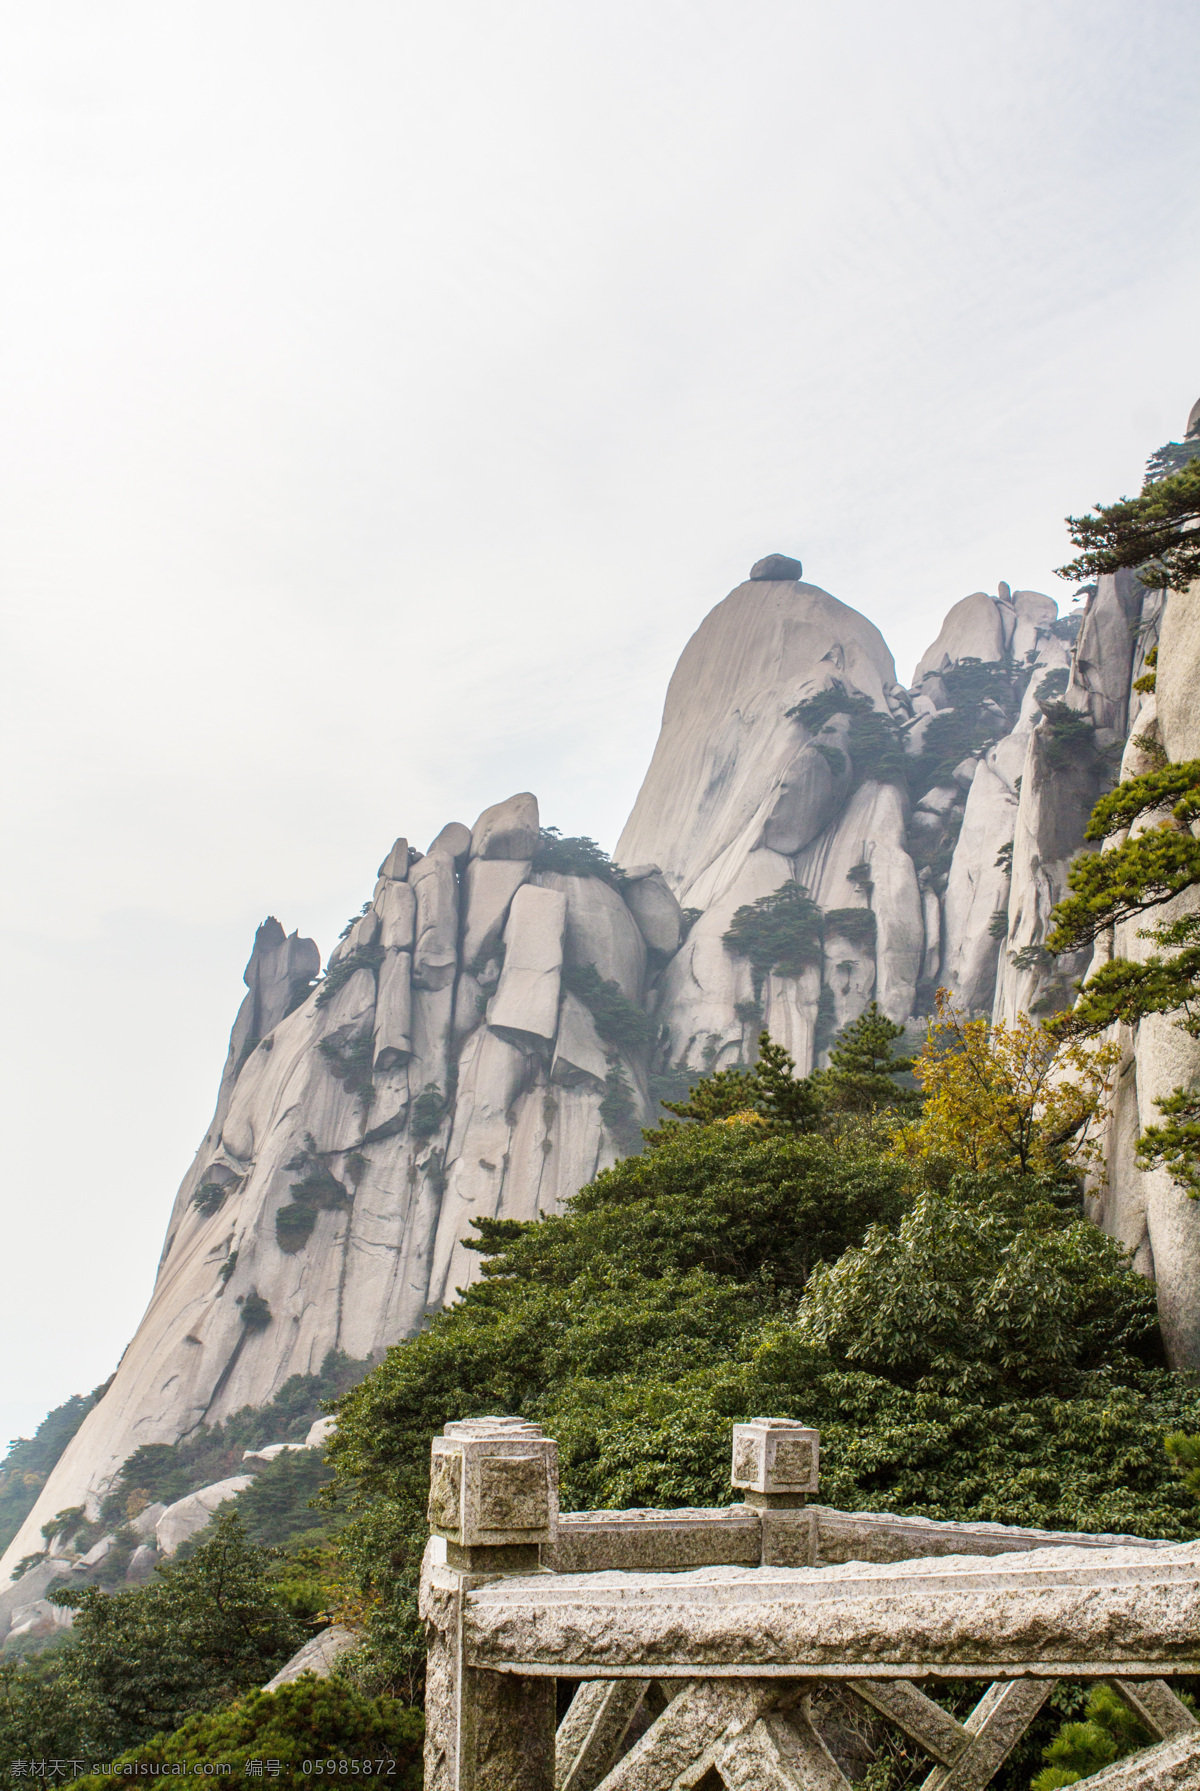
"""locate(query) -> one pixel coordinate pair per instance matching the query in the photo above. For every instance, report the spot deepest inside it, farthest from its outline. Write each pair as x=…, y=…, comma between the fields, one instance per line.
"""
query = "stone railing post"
x=776, y=1463
x=493, y=1504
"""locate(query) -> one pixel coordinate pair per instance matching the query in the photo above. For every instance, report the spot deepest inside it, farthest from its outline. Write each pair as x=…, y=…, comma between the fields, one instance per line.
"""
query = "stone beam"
x=1063, y=1612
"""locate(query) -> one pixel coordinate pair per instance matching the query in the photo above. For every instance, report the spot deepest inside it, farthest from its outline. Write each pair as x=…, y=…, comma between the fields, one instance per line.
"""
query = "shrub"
x=351, y=1062
x=1053, y=684
x=618, y=1110
x=575, y=856
x=619, y=1021
x=140, y=1662
x=29, y=1460
x=873, y=739
x=855, y=925
x=427, y=1111
x=317, y=1190
x=781, y=932
x=256, y=1314
x=309, y=1718
x=363, y=957
x=1065, y=734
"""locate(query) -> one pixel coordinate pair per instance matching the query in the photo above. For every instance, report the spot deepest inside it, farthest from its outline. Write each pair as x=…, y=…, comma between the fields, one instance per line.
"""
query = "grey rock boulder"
x=143, y=1525
x=454, y=841
x=509, y=829
x=489, y=887
x=393, y=1039
x=649, y=899
x=262, y=1458
x=525, y=1005
x=189, y=1515
x=776, y=567
x=726, y=742
x=396, y=906
x=600, y=931
x=973, y=629
x=319, y=1655
x=395, y=865
x=435, y=951
x=580, y=1059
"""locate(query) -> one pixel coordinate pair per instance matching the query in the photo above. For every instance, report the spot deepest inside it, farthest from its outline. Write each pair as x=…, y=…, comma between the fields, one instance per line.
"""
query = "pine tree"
x=863, y=1068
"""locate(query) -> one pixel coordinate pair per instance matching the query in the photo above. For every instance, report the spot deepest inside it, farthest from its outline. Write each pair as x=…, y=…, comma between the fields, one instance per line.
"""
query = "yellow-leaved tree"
x=1006, y=1097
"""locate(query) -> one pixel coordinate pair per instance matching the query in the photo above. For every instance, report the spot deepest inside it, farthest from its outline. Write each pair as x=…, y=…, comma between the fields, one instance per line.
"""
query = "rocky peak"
x=509, y=1008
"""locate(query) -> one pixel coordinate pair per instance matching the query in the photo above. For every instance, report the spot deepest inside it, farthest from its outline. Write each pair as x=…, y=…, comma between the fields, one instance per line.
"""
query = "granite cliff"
x=508, y=1008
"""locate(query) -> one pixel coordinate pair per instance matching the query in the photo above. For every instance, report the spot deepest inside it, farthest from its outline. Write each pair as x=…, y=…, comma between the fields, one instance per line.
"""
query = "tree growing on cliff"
x=1155, y=533
x=1151, y=856
x=1000, y=1097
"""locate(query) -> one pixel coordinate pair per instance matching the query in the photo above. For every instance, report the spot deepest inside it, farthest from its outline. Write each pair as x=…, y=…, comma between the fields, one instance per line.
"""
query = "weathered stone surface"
x=960, y=1617
x=484, y=1731
x=396, y=906
x=590, y=1735
x=600, y=931
x=1155, y=1704
x=649, y=898
x=509, y=829
x=395, y=865
x=973, y=629
x=726, y=741
x=995, y=1726
x=580, y=1059
x=494, y=1484
x=811, y=792
x=688, y=1732
x=319, y=1432
x=435, y=952
x=454, y=841
x=143, y=1524
x=393, y=1011
x=262, y=1458
x=186, y=1516
x=489, y=887
x=319, y=1655
x=526, y=1002
x=777, y=566
x=779, y=1752
x=1103, y=660
x=652, y=1541
x=41, y=1618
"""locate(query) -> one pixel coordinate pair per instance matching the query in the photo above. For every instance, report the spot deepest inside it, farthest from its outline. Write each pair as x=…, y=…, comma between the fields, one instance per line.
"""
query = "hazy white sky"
x=386, y=392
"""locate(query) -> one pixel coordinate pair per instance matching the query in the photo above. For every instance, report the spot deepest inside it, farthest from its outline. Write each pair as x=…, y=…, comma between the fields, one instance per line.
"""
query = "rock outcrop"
x=494, y=1027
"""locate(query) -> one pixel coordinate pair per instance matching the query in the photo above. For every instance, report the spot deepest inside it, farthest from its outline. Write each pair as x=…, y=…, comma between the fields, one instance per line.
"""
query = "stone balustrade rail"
x=764, y=1646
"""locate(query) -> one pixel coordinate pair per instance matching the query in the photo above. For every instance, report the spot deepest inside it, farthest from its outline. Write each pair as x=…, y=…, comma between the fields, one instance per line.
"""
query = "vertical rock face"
x=1146, y=1211
x=491, y=1030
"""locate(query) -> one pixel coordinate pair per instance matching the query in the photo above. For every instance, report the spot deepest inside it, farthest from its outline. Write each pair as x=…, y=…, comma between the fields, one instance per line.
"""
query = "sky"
x=386, y=393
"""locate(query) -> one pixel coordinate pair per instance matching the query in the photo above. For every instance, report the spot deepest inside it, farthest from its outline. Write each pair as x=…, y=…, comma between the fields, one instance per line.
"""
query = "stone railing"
x=756, y=1646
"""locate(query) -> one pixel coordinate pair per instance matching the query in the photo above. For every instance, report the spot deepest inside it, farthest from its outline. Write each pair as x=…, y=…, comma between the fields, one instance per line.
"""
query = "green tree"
x=310, y=1718
x=863, y=1069
x=1109, y=1731
x=984, y=1355
x=769, y=1092
x=665, y=1265
x=1152, y=856
x=139, y=1662
x=779, y=932
x=1153, y=533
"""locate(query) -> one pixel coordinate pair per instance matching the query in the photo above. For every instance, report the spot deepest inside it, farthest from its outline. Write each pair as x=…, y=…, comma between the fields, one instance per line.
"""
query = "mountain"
x=509, y=1007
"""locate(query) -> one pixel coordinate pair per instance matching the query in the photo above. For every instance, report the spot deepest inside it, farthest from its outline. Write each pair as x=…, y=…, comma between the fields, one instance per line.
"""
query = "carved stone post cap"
x=776, y=1455
x=493, y=1483
x=490, y=1427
